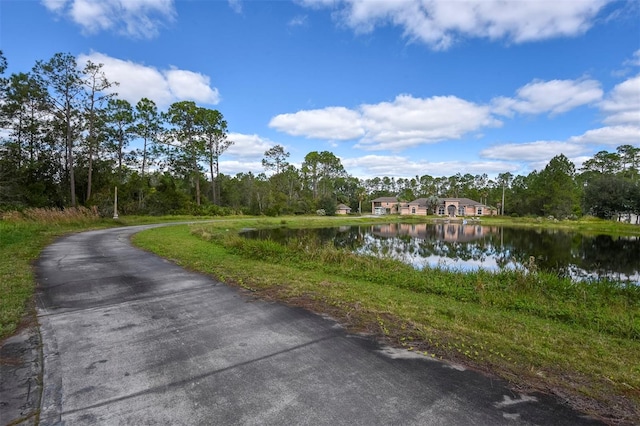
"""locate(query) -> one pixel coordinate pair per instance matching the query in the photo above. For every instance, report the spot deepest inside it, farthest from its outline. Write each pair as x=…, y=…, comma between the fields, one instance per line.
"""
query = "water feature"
x=467, y=246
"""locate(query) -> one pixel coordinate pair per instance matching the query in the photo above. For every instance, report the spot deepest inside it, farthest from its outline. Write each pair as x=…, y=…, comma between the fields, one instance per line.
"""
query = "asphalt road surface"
x=132, y=339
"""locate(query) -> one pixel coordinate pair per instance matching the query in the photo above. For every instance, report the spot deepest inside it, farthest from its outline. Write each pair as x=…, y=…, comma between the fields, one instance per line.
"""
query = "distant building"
x=343, y=209
x=450, y=207
x=384, y=205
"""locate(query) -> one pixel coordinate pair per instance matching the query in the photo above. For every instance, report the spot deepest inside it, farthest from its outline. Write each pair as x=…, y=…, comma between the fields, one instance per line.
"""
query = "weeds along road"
x=130, y=338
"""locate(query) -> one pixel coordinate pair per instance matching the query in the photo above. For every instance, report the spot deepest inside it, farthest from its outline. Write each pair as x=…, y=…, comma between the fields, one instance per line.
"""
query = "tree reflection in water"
x=471, y=246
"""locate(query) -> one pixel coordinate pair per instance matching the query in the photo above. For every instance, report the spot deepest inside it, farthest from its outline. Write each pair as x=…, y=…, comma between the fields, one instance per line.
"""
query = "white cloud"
x=245, y=155
x=578, y=149
x=133, y=18
x=533, y=151
x=613, y=136
x=233, y=167
x=554, y=97
x=191, y=85
x=635, y=61
x=622, y=104
x=248, y=148
x=54, y=5
x=298, y=21
x=371, y=166
x=164, y=87
x=336, y=123
x=403, y=123
x=440, y=23
x=409, y=121
x=236, y=5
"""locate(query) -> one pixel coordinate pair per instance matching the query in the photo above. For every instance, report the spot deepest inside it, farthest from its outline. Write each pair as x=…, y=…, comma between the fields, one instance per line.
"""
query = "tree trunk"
x=72, y=176
x=213, y=182
x=196, y=176
x=144, y=163
x=90, y=173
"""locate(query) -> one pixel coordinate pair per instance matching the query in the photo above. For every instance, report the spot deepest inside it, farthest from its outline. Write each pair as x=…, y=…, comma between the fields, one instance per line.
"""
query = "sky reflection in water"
x=471, y=246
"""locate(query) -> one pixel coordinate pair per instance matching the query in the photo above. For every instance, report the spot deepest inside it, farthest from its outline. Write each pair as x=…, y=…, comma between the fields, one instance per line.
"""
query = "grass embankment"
x=578, y=341
x=586, y=224
x=23, y=235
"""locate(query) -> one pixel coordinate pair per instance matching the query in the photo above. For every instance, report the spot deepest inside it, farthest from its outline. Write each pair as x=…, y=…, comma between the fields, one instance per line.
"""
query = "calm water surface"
x=471, y=246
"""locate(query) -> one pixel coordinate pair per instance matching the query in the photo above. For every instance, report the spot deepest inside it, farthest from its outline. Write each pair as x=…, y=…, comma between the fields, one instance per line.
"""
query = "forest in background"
x=65, y=143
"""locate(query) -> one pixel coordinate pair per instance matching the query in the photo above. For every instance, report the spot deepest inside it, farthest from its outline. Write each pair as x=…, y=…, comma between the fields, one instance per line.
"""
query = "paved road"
x=130, y=338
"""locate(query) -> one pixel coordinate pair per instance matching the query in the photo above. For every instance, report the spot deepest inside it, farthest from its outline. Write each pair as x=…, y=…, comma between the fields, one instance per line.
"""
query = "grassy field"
x=580, y=342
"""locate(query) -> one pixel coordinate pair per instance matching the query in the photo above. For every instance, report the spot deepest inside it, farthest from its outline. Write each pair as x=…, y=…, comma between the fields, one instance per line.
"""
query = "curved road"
x=130, y=338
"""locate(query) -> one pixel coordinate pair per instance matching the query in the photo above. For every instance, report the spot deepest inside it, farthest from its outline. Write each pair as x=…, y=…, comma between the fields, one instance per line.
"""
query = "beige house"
x=343, y=209
x=384, y=205
x=450, y=207
x=453, y=231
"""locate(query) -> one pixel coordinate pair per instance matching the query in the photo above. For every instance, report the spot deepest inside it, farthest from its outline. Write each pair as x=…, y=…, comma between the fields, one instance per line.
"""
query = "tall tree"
x=65, y=95
x=120, y=125
x=610, y=195
x=148, y=125
x=213, y=130
x=629, y=160
x=504, y=179
x=321, y=169
x=187, y=147
x=95, y=83
x=560, y=196
x=275, y=159
x=24, y=111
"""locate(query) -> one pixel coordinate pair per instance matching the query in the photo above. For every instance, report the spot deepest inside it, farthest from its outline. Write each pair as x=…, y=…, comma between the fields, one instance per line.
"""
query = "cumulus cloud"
x=554, y=97
x=403, y=123
x=622, y=104
x=233, y=167
x=370, y=166
x=409, y=121
x=533, y=151
x=248, y=147
x=613, y=136
x=336, y=123
x=132, y=18
x=191, y=85
x=164, y=87
x=246, y=154
x=439, y=24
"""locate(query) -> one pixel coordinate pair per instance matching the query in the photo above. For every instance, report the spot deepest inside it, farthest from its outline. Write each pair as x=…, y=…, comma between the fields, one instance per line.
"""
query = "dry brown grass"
x=53, y=216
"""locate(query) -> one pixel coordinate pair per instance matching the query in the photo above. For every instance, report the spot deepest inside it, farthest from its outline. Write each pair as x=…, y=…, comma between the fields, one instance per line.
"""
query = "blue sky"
x=392, y=87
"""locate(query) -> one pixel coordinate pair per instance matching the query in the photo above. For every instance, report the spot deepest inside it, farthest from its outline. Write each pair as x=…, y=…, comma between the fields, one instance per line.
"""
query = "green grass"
x=23, y=235
x=538, y=331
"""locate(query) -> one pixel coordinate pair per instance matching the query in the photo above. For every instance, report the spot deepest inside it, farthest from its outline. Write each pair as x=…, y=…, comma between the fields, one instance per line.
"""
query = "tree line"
x=66, y=142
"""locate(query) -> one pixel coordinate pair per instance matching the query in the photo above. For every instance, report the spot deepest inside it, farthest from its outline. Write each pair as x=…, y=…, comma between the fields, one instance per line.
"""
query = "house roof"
x=462, y=201
x=385, y=200
x=441, y=201
x=343, y=207
x=419, y=202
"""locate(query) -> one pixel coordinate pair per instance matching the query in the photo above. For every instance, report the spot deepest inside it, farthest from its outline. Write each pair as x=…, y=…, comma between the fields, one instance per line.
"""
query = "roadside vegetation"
x=579, y=341
x=24, y=234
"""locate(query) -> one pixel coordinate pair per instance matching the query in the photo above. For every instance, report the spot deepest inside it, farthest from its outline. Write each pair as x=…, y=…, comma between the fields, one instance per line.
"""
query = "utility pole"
x=502, y=206
x=115, y=204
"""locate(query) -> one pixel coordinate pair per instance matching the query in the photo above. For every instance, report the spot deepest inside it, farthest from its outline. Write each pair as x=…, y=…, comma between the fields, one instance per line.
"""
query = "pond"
x=468, y=246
